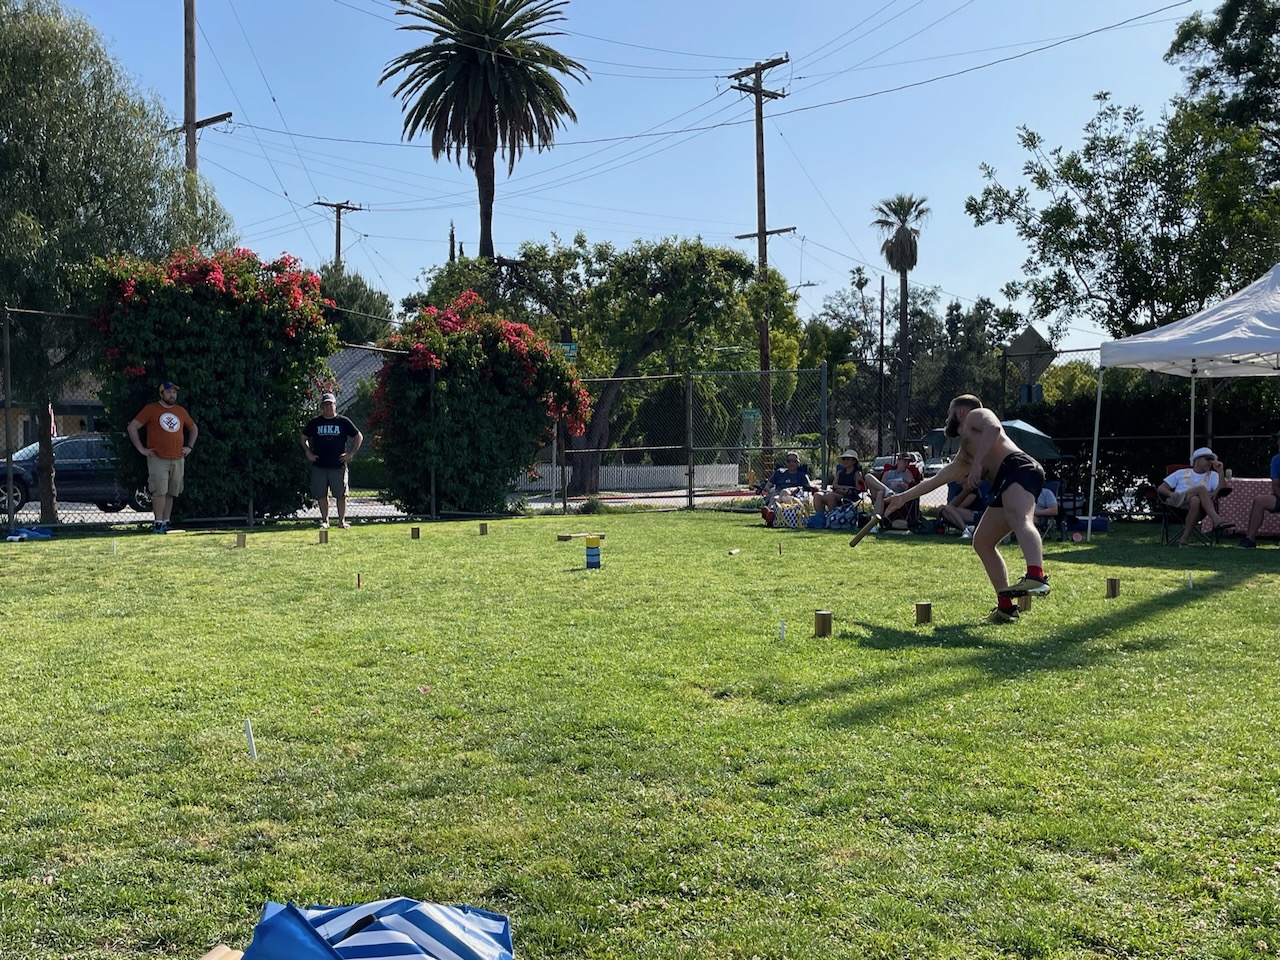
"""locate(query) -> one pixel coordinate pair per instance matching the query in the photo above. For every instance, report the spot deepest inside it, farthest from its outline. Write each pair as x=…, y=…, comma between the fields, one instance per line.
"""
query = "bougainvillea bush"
x=472, y=397
x=246, y=343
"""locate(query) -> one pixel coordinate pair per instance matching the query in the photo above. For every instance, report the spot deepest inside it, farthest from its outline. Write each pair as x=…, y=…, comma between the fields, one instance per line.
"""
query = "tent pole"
x=1191, y=445
x=1093, y=468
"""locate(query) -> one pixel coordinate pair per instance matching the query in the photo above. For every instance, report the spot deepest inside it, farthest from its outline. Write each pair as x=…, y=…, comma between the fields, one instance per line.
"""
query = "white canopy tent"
x=1237, y=337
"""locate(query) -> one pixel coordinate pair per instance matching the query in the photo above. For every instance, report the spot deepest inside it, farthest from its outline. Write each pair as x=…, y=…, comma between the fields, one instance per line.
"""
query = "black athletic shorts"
x=1019, y=468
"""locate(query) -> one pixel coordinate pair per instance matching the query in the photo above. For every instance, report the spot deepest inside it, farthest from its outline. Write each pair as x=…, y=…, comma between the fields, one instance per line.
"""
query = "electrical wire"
x=271, y=93
x=893, y=46
x=816, y=189
x=240, y=106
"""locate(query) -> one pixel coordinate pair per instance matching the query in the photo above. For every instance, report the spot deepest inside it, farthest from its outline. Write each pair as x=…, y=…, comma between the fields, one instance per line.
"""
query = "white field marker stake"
x=248, y=735
x=113, y=546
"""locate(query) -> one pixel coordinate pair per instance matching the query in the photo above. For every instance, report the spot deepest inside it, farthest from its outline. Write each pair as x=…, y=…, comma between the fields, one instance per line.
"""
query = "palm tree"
x=486, y=80
x=899, y=220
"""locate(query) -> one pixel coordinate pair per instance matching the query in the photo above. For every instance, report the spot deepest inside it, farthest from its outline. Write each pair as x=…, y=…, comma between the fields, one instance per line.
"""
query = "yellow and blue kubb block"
x=593, y=553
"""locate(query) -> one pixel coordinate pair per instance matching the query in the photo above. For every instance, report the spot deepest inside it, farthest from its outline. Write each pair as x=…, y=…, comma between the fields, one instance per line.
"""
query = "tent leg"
x=1191, y=443
x=1093, y=468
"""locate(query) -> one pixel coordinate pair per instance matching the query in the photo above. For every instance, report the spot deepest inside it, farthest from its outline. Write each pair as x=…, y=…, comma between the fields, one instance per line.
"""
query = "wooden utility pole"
x=189, y=80
x=757, y=90
x=337, y=233
x=189, y=122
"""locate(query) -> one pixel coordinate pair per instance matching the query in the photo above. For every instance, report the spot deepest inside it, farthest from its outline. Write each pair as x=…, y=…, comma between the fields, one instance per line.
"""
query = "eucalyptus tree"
x=86, y=170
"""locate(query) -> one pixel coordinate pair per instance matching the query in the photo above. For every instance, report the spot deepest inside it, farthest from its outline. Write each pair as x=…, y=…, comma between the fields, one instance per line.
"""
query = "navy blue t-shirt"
x=328, y=439
x=782, y=479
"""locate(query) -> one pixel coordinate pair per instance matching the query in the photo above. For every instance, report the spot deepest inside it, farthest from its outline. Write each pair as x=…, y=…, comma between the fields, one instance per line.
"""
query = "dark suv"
x=85, y=471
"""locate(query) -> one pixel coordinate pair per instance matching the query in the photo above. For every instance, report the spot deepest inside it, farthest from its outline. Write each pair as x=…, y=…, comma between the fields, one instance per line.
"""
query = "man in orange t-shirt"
x=165, y=451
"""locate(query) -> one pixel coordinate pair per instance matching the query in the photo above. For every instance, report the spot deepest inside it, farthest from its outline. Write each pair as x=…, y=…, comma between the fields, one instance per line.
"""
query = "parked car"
x=85, y=471
x=933, y=465
x=880, y=464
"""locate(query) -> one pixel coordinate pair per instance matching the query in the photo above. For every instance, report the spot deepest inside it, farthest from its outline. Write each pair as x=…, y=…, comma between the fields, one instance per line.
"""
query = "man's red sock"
x=1037, y=572
x=1005, y=602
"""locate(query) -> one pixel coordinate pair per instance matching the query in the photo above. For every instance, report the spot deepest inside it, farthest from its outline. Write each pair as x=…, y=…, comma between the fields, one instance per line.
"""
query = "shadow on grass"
x=999, y=652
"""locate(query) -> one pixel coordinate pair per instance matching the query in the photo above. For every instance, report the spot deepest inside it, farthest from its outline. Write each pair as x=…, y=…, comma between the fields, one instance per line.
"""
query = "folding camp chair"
x=1173, y=519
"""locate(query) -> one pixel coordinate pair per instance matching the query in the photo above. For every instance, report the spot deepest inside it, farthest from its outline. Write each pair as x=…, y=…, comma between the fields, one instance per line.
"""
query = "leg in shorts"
x=326, y=479
x=165, y=476
x=1019, y=468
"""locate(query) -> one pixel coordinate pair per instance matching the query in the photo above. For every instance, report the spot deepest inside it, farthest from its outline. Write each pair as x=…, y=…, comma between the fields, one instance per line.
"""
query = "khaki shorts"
x=1180, y=498
x=165, y=476
x=325, y=479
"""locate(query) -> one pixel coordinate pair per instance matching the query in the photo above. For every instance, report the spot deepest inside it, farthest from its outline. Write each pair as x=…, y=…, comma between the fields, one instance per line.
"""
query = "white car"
x=933, y=465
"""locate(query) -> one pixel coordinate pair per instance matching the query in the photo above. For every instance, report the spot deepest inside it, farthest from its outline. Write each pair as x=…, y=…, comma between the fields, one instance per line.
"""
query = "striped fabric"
x=403, y=929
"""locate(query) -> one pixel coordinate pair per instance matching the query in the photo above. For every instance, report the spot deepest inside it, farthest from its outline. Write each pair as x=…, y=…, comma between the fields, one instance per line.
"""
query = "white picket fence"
x=627, y=477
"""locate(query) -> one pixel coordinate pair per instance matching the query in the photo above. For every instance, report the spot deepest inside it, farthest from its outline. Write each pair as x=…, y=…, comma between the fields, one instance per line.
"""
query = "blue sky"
x=662, y=145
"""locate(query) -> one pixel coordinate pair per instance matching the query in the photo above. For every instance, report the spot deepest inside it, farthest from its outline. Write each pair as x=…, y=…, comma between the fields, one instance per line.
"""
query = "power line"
x=854, y=40
x=982, y=66
x=827, y=103
x=816, y=189
x=266, y=83
x=236, y=97
x=893, y=46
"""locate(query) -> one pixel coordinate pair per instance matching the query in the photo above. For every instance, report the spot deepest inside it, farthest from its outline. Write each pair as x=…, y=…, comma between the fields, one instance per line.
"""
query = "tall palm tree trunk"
x=485, y=184
x=904, y=362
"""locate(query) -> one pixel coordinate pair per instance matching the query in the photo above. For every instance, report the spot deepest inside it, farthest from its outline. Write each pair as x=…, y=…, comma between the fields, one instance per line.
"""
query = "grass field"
x=631, y=762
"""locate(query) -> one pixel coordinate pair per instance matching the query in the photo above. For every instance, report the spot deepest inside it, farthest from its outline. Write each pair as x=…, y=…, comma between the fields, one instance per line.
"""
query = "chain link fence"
x=709, y=438
x=684, y=440
x=681, y=440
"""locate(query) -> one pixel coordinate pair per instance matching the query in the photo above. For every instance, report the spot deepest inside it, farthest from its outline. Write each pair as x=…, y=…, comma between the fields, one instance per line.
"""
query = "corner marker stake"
x=248, y=735
x=357, y=581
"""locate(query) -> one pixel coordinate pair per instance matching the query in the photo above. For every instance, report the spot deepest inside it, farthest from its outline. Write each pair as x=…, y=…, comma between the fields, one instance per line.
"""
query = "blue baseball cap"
x=168, y=385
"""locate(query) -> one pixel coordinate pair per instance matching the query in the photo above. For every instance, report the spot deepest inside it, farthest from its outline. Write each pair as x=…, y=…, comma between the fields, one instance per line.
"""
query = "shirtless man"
x=986, y=450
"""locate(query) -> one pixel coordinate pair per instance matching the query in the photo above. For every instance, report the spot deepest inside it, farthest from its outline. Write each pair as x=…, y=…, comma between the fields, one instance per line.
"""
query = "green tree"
x=86, y=170
x=247, y=343
x=465, y=404
x=1232, y=64
x=360, y=313
x=1141, y=225
x=899, y=219
x=656, y=307
x=653, y=307
x=486, y=80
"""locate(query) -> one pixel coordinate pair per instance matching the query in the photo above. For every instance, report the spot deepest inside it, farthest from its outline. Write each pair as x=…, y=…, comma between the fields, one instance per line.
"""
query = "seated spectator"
x=897, y=478
x=848, y=484
x=961, y=511
x=902, y=476
x=1264, y=503
x=791, y=477
x=1192, y=489
x=1046, y=512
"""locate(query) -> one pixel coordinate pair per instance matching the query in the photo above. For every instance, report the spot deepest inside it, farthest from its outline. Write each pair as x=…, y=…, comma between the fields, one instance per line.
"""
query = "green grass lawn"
x=630, y=762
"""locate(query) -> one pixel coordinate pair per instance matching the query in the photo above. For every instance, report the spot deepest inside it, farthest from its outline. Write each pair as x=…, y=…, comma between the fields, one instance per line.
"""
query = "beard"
x=952, y=429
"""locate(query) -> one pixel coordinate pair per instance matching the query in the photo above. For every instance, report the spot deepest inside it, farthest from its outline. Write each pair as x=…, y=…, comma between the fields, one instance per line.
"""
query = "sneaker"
x=324, y=524
x=1247, y=544
x=1003, y=615
x=1028, y=585
x=158, y=527
x=967, y=532
x=344, y=525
